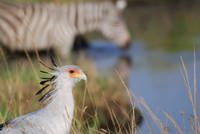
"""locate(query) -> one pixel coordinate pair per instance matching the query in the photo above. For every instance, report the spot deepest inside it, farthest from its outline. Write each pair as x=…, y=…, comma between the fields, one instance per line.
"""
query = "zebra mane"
x=47, y=82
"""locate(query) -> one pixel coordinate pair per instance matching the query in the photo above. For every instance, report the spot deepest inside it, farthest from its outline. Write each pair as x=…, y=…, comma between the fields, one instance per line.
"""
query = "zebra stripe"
x=47, y=25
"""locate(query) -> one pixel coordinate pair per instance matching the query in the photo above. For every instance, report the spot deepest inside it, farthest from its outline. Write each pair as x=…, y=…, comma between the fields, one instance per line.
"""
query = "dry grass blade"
x=195, y=98
x=192, y=100
x=109, y=110
x=124, y=84
x=186, y=81
x=3, y=56
x=31, y=63
x=136, y=102
x=195, y=82
x=117, y=122
x=84, y=100
x=46, y=66
x=133, y=125
x=154, y=117
x=4, y=60
x=174, y=123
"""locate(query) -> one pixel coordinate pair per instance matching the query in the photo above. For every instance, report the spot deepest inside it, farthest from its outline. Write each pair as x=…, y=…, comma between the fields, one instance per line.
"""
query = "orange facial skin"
x=73, y=73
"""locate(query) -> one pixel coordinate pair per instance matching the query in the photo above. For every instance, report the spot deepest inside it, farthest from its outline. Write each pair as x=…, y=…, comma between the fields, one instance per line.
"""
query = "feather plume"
x=47, y=96
x=42, y=89
x=50, y=93
x=47, y=66
x=47, y=80
x=53, y=61
x=44, y=72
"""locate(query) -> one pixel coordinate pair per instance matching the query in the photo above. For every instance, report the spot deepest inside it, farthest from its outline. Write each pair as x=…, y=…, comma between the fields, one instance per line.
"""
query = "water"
x=155, y=76
x=161, y=34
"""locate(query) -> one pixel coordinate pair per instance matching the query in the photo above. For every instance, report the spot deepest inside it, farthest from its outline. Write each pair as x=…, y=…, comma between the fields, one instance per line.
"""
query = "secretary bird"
x=57, y=115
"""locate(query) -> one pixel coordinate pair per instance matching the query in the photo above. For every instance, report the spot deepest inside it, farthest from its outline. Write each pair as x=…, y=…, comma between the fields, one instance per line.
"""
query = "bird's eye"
x=71, y=71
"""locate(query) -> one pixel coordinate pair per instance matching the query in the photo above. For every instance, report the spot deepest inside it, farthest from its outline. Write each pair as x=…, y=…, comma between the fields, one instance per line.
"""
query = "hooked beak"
x=82, y=76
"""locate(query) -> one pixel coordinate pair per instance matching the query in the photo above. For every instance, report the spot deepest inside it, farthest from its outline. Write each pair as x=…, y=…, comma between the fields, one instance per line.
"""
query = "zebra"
x=41, y=26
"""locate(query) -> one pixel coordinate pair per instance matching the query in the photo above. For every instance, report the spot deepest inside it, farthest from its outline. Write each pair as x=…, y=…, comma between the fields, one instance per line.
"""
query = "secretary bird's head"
x=65, y=74
x=70, y=73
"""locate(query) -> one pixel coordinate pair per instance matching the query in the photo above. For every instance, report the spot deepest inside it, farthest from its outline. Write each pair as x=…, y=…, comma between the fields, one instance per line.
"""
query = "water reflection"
x=154, y=76
x=110, y=59
x=123, y=66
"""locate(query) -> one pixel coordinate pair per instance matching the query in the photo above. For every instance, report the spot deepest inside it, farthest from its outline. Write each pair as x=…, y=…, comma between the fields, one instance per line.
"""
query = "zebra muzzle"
x=126, y=45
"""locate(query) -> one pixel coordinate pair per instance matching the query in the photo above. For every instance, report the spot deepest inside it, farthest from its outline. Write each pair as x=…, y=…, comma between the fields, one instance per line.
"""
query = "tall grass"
x=102, y=107
x=105, y=109
x=193, y=97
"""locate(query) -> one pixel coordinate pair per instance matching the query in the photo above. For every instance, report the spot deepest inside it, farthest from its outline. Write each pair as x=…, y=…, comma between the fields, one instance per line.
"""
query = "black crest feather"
x=47, y=80
x=47, y=66
x=53, y=61
x=47, y=96
x=42, y=89
x=51, y=91
x=44, y=72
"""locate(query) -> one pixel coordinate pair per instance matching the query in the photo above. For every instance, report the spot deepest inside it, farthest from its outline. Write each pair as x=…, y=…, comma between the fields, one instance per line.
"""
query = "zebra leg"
x=80, y=43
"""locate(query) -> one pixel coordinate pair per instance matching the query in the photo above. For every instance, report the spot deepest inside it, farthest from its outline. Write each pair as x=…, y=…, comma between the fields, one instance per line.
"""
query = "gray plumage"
x=40, y=26
x=57, y=115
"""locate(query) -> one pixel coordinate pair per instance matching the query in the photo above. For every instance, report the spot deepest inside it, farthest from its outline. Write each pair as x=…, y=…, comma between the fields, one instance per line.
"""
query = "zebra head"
x=121, y=4
x=113, y=25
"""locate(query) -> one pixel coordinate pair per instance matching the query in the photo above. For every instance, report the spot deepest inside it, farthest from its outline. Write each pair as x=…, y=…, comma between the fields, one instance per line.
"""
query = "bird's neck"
x=62, y=105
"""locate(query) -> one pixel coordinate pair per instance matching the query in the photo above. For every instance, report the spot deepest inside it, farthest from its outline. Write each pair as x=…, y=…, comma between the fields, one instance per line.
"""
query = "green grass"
x=103, y=105
x=19, y=81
